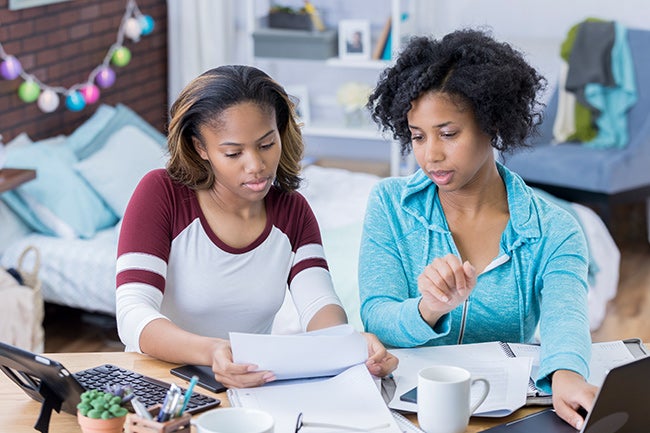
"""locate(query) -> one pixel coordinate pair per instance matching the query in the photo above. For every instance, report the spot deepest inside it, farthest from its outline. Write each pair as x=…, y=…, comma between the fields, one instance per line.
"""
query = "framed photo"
x=300, y=95
x=22, y=4
x=354, y=39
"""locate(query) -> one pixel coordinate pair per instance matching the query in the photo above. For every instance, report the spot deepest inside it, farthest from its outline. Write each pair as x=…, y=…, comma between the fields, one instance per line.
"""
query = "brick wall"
x=62, y=43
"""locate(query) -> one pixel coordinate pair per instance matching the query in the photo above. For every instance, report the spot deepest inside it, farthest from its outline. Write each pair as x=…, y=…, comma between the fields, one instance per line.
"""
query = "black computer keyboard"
x=149, y=391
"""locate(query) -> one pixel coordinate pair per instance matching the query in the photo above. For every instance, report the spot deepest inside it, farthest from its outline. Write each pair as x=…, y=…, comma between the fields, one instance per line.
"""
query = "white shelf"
x=338, y=131
x=357, y=64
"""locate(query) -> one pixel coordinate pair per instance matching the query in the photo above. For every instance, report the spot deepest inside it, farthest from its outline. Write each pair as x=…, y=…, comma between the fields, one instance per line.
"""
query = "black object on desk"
x=203, y=372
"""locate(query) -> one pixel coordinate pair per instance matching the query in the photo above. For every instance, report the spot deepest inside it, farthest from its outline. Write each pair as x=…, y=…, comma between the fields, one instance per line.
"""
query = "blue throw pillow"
x=59, y=201
x=86, y=133
x=115, y=170
x=122, y=116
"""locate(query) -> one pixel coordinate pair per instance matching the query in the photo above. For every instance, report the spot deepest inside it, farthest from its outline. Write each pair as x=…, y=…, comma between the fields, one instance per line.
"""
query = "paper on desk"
x=508, y=377
x=604, y=357
x=326, y=352
x=350, y=398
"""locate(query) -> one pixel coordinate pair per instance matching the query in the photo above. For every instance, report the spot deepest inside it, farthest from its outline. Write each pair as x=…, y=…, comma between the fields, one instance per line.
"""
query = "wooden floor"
x=628, y=315
x=70, y=330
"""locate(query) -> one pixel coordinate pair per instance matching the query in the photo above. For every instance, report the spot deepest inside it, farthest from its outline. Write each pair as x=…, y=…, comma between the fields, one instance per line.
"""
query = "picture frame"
x=23, y=4
x=354, y=39
x=300, y=95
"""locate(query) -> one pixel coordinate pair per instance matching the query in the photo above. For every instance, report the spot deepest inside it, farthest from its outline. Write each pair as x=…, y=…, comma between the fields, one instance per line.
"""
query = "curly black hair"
x=491, y=77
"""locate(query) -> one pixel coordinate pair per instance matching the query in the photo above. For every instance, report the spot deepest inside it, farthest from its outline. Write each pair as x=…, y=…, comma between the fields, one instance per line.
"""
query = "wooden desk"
x=11, y=178
x=19, y=412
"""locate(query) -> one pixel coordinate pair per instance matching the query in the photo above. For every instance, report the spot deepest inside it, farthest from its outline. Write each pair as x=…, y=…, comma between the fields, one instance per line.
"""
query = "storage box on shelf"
x=289, y=20
x=295, y=44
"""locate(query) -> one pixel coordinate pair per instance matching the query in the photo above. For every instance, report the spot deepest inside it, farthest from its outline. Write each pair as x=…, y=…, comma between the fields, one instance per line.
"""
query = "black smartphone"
x=203, y=372
x=410, y=396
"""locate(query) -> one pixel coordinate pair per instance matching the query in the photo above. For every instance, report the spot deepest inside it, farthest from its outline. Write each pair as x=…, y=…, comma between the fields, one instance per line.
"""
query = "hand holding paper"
x=326, y=352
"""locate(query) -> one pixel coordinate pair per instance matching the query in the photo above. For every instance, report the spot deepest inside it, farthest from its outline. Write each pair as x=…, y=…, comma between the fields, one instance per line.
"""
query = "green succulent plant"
x=105, y=404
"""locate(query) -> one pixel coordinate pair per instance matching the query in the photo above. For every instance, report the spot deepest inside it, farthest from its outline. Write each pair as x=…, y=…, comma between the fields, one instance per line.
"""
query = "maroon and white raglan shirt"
x=170, y=264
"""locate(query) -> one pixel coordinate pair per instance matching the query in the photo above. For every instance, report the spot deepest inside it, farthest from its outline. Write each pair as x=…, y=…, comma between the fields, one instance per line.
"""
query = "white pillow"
x=115, y=170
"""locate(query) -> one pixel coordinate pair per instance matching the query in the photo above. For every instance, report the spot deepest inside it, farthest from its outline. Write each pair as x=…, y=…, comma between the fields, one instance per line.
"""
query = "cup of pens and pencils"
x=168, y=417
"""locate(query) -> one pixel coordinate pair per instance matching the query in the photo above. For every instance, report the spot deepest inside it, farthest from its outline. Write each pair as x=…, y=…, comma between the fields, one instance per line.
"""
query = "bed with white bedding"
x=77, y=263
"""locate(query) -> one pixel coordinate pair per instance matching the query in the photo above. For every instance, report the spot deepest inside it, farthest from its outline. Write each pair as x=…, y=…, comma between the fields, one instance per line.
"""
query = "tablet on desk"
x=203, y=372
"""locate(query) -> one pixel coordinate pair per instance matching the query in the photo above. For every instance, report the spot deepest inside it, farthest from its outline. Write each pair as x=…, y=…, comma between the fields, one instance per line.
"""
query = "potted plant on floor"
x=103, y=411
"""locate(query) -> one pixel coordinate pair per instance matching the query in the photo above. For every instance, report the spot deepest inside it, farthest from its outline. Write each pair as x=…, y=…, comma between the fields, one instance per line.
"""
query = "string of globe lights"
x=133, y=25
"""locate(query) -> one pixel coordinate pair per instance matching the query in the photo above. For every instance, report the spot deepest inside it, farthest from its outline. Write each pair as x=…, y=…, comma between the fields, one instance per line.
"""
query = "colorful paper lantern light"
x=105, y=78
x=11, y=68
x=146, y=24
x=28, y=91
x=121, y=57
x=132, y=29
x=75, y=101
x=48, y=101
x=90, y=93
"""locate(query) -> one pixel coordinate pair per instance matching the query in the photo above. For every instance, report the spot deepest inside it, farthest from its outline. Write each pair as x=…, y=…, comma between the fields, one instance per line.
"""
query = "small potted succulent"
x=103, y=411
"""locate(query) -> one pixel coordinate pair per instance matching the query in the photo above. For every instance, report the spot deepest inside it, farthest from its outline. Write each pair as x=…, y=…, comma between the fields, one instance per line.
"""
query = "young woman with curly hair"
x=463, y=251
x=209, y=244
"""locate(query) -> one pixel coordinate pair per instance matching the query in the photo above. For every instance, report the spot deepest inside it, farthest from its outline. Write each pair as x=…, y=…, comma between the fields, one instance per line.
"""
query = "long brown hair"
x=203, y=100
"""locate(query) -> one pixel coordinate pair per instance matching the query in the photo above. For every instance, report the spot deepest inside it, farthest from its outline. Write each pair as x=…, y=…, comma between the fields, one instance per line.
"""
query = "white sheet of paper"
x=508, y=377
x=326, y=352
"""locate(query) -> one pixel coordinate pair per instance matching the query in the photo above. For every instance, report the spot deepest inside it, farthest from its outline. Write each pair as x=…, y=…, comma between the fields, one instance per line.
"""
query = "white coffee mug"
x=234, y=420
x=444, y=398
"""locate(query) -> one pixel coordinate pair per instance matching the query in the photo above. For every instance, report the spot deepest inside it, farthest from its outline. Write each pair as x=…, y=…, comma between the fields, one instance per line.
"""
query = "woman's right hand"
x=236, y=375
x=444, y=284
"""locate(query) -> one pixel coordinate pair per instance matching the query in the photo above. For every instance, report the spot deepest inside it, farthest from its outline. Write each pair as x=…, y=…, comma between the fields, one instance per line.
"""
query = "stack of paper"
x=350, y=398
x=508, y=377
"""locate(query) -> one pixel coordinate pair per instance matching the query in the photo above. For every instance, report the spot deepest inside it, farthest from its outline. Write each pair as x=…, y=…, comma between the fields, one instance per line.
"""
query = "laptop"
x=47, y=381
x=621, y=406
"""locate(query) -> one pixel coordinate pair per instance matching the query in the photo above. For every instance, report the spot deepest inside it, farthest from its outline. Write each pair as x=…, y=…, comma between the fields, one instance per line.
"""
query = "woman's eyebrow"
x=262, y=138
x=440, y=125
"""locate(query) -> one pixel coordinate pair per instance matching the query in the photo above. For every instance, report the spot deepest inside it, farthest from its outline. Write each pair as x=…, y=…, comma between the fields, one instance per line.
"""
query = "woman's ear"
x=200, y=148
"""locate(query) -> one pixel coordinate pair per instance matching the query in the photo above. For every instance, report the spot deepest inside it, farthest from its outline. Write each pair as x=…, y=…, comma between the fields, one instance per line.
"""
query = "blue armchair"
x=596, y=177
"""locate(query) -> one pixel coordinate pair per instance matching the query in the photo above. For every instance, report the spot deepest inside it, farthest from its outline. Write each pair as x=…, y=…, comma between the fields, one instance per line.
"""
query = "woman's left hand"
x=380, y=362
x=571, y=392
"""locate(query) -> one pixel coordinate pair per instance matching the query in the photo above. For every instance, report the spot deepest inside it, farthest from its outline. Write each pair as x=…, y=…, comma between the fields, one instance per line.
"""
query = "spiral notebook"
x=604, y=357
x=404, y=424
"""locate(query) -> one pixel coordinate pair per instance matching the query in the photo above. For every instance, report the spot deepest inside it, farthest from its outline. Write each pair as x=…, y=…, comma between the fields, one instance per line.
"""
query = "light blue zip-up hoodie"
x=539, y=276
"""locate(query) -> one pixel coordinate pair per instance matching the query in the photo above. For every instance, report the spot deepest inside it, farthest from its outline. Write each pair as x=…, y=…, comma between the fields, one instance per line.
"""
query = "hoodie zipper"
x=463, y=319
